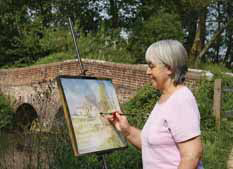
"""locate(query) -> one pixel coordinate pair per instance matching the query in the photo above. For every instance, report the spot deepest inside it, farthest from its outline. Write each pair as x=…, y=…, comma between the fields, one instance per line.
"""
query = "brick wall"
x=126, y=78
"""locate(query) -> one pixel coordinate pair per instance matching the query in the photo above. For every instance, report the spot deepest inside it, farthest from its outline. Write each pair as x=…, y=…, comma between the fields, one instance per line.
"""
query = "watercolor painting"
x=85, y=99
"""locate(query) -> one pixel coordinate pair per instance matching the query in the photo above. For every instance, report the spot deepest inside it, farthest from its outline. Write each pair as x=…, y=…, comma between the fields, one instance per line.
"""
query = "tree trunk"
x=228, y=52
x=114, y=13
x=213, y=39
x=199, y=40
x=228, y=59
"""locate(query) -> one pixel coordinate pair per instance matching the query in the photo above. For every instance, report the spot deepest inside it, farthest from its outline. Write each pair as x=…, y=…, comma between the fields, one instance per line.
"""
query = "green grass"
x=216, y=68
x=217, y=145
x=55, y=57
x=110, y=55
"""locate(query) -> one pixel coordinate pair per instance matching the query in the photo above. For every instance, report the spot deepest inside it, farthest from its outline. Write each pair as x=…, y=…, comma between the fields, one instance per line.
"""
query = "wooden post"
x=217, y=101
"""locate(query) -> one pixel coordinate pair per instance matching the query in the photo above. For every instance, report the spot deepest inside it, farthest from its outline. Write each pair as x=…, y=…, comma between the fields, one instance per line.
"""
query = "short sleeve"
x=184, y=117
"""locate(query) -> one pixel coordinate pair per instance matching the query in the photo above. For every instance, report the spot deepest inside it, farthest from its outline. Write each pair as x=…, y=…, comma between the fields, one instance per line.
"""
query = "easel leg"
x=104, y=162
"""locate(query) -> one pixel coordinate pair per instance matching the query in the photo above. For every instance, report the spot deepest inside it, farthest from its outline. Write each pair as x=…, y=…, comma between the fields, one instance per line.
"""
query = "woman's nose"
x=148, y=71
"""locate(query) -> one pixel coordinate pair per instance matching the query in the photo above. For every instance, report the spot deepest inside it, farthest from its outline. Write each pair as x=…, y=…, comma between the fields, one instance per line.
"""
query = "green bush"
x=6, y=113
x=99, y=46
x=141, y=105
x=217, y=143
x=6, y=123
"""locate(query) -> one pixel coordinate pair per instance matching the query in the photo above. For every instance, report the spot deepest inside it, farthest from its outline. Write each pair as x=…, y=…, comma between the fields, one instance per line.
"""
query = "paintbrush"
x=114, y=113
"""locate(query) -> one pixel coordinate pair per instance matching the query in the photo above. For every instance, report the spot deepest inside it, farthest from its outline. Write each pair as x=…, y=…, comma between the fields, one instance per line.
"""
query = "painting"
x=83, y=100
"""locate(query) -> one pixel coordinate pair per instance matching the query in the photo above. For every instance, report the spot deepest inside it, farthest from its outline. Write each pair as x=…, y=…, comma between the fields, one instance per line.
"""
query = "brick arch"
x=24, y=116
x=26, y=99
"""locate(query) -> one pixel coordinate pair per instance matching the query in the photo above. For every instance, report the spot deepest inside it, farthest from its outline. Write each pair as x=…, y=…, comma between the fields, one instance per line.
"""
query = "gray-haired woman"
x=170, y=139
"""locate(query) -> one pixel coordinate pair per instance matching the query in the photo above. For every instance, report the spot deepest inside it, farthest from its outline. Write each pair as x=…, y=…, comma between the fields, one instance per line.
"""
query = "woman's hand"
x=132, y=134
x=120, y=122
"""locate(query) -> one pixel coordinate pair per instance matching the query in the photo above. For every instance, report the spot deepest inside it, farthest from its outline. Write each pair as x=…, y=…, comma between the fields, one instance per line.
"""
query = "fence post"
x=217, y=101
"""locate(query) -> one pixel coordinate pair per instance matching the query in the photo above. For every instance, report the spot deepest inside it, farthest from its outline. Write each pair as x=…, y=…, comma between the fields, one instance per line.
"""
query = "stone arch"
x=24, y=116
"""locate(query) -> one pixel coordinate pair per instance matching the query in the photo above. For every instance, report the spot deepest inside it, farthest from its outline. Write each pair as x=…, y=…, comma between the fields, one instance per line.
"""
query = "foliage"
x=6, y=113
x=55, y=57
x=142, y=104
x=218, y=143
x=32, y=30
x=64, y=158
x=161, y=26
x=215, y=68
x=227, y=101
x=6, y=119
x=102, y=46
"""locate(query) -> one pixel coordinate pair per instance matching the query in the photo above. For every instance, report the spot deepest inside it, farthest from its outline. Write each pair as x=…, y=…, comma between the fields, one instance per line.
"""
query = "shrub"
x=6, y=113
x=217, y=143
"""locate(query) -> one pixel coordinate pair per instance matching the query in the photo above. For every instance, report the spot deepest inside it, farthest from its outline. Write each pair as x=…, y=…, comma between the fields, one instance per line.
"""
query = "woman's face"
x=159, y=75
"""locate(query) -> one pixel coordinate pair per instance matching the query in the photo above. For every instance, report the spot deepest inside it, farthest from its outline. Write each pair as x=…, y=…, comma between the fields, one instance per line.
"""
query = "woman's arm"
x=191, y=152
x=134, y=136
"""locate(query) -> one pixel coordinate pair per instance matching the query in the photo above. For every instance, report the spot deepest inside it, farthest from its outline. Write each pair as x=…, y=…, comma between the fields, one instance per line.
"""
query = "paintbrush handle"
x=124, y=114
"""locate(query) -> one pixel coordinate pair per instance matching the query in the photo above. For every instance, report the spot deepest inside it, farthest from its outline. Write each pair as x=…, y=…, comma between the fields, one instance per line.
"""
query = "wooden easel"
x=101, y=156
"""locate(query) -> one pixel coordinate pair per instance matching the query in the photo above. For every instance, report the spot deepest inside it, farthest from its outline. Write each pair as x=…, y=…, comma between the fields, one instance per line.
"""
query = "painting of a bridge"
x=84, y=99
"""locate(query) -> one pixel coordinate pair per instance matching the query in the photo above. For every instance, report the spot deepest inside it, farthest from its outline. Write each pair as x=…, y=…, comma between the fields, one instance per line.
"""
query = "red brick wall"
x=126, y=78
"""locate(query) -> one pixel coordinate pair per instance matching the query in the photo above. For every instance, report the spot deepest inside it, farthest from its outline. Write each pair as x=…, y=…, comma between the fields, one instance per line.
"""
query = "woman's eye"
x=151, y=66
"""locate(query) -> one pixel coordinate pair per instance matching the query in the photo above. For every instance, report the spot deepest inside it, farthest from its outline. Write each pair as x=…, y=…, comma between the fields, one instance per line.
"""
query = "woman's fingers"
x=118, y=116
x=109, y=118
x=119, y=112
x=118, y=120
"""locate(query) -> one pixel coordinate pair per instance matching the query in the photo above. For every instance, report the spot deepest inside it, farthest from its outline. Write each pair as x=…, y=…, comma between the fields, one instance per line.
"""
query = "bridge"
x=33, y=91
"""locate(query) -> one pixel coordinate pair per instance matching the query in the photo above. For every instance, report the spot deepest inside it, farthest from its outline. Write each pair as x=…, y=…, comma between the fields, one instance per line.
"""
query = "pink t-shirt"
x=175, y=120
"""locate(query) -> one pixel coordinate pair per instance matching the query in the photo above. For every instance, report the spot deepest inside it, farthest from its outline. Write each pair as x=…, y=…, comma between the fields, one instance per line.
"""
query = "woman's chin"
x=154, y=85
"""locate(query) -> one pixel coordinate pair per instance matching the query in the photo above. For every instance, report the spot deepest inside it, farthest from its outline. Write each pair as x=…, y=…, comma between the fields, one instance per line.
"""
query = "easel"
x=101, y=156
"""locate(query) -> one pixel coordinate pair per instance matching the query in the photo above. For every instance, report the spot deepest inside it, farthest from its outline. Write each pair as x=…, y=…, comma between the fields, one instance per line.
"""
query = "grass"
x=217, y=145
x=55, y=57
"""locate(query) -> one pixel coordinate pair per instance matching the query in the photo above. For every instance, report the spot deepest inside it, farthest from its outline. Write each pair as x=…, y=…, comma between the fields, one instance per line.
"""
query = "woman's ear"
x=169, y=70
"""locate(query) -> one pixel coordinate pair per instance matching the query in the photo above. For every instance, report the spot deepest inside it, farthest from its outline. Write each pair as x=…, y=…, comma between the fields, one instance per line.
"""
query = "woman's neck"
x=169, y=88
x=167, y=92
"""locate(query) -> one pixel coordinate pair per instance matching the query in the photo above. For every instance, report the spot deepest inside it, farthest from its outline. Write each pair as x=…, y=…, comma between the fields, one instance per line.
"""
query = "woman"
x=171, y=137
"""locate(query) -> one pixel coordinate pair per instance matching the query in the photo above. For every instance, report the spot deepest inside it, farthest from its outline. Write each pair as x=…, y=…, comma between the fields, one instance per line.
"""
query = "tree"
x=161, y=26
x=12, y=16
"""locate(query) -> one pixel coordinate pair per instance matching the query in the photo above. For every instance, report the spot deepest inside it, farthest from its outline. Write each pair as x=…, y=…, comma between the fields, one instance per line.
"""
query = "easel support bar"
x=76, y=48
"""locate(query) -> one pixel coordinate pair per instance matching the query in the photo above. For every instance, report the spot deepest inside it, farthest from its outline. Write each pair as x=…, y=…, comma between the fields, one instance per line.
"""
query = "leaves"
x=6, y=114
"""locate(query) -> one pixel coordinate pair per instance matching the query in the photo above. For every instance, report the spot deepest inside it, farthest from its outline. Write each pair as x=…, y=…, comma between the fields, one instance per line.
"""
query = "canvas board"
x=83, y=99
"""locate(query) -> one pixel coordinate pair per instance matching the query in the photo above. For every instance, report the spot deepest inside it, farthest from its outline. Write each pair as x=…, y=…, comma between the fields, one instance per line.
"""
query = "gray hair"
x=170, y=53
